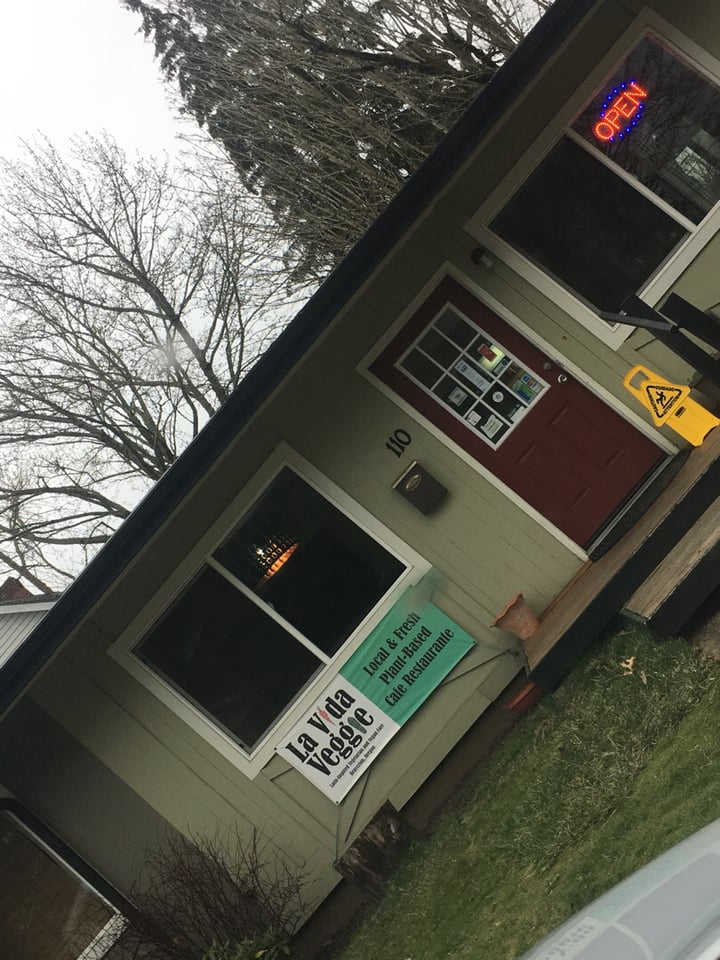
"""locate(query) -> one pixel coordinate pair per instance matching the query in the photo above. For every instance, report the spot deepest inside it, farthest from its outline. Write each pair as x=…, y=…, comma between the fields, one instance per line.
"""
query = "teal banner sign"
x=392, y=673
x=405, y=657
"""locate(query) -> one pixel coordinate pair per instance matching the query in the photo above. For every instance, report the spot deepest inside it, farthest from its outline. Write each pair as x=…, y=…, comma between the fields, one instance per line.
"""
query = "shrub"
x=218, y=898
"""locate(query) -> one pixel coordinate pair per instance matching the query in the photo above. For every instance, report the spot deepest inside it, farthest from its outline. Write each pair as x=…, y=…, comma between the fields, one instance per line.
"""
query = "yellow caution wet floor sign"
x=670, y=404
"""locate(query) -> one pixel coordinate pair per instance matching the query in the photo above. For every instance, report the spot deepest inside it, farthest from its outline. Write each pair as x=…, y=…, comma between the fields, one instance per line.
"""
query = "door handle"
x=561, y=378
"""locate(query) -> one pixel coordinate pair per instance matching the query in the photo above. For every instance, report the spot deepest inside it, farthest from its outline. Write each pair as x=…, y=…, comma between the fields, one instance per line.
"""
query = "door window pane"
x=587, y=227
x=227, y=656
x=471, y=375
x=455, y=396
x=455, y=328
x=438, y=347
x=46, y=912
x=486, y=423
x=422, y=369
x=659, y=119
x=309, y=561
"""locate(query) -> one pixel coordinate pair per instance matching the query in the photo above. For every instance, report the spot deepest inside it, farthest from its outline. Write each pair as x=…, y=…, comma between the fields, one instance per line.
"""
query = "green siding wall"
x=79, y=798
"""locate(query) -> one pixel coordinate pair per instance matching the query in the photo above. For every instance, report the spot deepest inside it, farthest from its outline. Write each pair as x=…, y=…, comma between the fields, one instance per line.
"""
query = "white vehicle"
x=668, y=910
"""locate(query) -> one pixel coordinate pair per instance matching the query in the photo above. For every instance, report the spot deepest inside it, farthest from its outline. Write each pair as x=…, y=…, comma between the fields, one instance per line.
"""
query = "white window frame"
x=122, y=650
x=657, y=285
x=109, y=934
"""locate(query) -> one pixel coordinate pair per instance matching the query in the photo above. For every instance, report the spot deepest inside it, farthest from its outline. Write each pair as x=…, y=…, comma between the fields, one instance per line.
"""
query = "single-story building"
x=292, y=629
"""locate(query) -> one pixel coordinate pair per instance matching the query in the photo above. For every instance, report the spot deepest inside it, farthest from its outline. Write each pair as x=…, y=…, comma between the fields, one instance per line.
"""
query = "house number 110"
x=398, y=441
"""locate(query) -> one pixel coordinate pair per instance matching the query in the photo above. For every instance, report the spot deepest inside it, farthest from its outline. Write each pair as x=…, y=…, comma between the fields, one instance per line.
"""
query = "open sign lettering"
x=622, y=110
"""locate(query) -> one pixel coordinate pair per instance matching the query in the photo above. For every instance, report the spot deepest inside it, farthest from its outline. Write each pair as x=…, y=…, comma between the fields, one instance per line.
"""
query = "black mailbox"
x=420, y=488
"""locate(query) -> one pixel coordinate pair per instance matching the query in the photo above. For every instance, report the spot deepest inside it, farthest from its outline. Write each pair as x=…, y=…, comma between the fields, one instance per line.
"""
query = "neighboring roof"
x=13, y=589
x=271, y=369
x=17, y=621
x=39, y=600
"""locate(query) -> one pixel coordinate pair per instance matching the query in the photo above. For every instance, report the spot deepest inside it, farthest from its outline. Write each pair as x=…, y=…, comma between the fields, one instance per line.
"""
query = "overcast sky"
x=70, y=66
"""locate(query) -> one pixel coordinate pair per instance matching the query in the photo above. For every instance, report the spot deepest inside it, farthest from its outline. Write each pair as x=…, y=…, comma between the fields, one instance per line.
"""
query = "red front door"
x=540, y=431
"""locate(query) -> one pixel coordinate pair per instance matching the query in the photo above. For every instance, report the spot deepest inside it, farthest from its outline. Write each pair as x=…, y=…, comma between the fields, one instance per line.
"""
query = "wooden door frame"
x=450, y=270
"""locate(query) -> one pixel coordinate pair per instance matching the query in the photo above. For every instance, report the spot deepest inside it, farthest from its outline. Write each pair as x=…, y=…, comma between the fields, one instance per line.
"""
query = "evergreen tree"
x=326, y=106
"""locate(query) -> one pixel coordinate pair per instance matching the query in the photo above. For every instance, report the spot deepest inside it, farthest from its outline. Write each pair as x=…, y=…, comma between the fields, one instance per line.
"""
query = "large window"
x=269, y=608
x=630, y=180
x=47, y=910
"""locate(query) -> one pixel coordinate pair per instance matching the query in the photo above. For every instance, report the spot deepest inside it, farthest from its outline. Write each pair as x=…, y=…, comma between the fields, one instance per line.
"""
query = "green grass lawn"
x=601, y=777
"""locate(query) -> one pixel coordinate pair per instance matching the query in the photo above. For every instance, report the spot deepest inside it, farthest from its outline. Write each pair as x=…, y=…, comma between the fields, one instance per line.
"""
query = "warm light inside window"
x=280, y=562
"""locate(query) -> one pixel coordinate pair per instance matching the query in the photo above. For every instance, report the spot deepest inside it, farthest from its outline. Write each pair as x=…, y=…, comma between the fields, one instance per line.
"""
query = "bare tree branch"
x=134, y=297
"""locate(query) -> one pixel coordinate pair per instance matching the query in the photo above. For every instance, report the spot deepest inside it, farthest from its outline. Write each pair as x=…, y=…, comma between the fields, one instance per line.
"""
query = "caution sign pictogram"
x=663, y=397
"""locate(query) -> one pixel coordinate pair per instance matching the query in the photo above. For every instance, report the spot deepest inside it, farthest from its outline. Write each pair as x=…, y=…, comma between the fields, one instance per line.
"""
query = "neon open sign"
x=622, y=110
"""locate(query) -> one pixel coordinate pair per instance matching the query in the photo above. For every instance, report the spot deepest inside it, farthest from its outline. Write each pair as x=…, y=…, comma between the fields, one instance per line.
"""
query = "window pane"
x=472, y=376
x=454, y=395
x=440, y=349
x=585, y=225
x=504, y=402
x=46, y=913
x=659, y=119
x=309, y=561
x=491, y=357
x=486, y=422
x=457, y=329
x=228, y=657
x=422, y=369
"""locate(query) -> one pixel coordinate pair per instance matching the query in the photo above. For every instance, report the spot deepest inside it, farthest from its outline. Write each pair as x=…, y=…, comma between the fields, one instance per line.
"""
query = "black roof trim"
x=270, y=370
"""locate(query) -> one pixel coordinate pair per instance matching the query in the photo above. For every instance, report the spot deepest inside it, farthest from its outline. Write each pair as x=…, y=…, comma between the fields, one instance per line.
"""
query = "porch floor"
x=602, y=588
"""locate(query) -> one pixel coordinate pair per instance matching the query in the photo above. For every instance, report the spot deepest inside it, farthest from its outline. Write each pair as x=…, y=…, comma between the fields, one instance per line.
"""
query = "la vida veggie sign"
x=379, y=688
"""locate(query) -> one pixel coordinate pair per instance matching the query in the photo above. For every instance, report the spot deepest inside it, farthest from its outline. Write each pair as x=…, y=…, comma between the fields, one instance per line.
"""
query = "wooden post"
x=376, y=852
